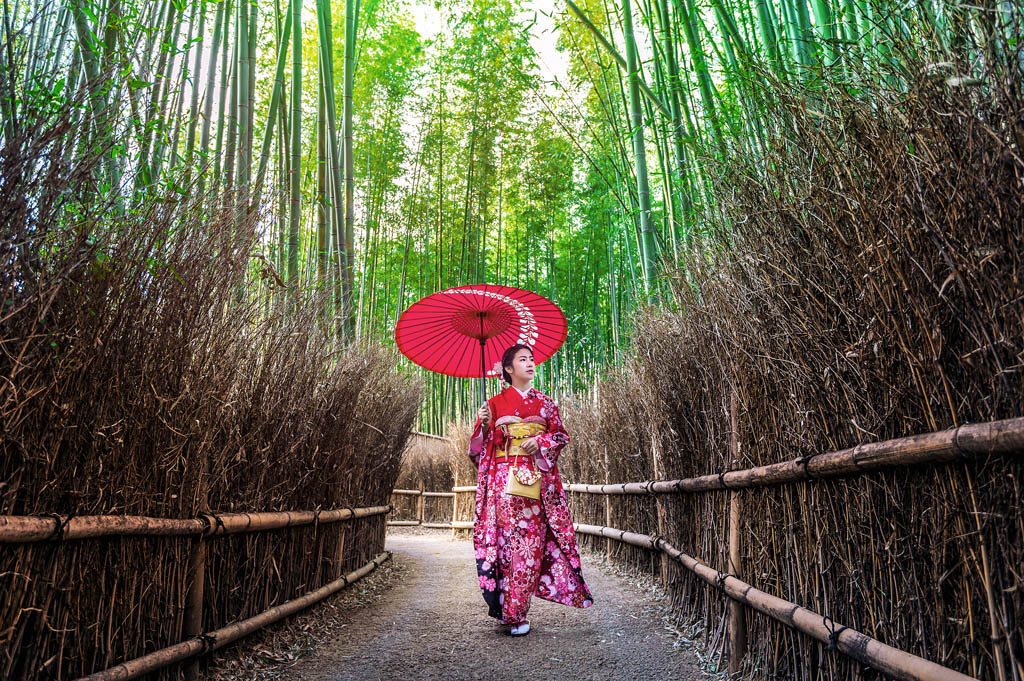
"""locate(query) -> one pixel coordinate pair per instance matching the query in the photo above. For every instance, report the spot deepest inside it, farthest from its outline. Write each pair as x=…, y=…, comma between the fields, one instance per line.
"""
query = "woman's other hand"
x=530, y=447
x=484, y=414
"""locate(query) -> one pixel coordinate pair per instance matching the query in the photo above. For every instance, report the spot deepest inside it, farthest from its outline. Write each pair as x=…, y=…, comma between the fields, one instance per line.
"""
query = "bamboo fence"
x=57, y=528
x=421, y=519
x=1004, y=437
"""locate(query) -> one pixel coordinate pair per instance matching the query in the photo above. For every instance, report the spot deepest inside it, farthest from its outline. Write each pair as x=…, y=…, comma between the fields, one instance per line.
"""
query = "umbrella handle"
x=483, y=369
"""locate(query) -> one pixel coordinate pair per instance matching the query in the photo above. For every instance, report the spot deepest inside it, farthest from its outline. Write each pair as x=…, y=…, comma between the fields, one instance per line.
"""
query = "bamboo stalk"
x=439, y=494
x=967, y=441
x=403, y=523
x=619, y=61
x=225, y=635
x=409, y=492
x=193, y=619
x=737, y=616
x=464, y=488
x=20, y=529
x=897, y=663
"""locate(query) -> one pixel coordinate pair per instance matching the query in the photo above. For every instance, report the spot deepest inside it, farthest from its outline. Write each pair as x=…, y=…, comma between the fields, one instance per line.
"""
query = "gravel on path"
x=433, y=625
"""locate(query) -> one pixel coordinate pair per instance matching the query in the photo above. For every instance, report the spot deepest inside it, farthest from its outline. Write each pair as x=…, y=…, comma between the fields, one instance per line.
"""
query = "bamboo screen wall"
x=908, y=556
x=79, y=606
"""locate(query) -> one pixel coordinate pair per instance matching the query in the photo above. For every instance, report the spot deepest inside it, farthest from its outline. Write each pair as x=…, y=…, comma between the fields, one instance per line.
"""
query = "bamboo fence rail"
x=420, y=521
x=215, y=640
x=430, y=436
x=966, y=441
x=20, y=529
x=1004, y=437
x=30, y=529
x=897, y=663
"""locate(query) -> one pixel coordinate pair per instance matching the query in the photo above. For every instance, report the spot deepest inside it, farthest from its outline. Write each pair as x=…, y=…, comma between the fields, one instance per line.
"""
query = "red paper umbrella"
x=461, y=331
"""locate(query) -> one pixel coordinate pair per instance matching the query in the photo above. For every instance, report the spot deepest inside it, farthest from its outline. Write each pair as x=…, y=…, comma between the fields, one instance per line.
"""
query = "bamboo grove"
x=385, y=150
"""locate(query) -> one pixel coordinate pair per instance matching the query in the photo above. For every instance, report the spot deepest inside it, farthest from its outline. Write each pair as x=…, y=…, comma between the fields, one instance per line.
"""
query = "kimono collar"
x=516, y=390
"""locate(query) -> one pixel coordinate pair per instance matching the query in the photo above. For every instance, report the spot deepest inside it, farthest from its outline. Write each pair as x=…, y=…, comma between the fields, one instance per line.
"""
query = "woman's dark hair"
x=508, y=356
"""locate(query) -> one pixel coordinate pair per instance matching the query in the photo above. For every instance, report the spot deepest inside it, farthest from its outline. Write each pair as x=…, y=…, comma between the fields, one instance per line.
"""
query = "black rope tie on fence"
x=956, y=442
x=214, y=522
x=60, y=524
x=804, y=460
x=316, y=520
x=833, y=632
x=647, y=487
x=721, y=480
x=207, y=641
x=678, y=486
x=720, y=579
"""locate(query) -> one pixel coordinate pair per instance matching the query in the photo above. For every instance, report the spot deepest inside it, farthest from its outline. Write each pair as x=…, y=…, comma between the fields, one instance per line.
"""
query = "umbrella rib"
x=407, y=324
x=448, y=303
x=506, y=344
x=431, y=339
x=440, y=328
x=465, y=347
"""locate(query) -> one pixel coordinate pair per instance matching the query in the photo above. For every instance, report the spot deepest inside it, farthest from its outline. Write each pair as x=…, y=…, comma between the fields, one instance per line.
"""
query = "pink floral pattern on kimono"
x=523, y=546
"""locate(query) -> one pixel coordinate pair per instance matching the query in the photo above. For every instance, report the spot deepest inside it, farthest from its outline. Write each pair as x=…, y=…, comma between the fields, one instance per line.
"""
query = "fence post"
x=193, y=619
x=421, y=505
x=659, y=506
x=737, y=615
x=455, y=508
x=607, y=506
x=341, y=544
x=607, y=523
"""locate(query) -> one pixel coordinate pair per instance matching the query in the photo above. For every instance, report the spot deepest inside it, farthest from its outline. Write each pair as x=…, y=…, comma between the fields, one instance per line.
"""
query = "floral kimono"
x=524, y=546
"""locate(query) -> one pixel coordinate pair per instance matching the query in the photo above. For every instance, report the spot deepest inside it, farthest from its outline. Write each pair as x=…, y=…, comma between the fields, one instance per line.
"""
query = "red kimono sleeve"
x=478, y=443
x=551, y=442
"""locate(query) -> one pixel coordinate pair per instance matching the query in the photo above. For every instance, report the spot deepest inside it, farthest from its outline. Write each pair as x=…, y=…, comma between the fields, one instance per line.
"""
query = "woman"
x=522, y=545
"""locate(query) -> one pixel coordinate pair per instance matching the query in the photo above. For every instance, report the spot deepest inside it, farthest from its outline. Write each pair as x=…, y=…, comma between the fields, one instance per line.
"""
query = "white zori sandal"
x=520, y=629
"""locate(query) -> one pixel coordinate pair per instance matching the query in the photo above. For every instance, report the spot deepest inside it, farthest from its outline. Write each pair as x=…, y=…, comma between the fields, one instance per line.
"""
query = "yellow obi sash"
x=521, y=482
x=515, y=435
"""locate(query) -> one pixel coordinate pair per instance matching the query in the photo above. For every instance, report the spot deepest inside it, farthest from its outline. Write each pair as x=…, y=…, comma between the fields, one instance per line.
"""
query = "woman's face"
x=522, y=366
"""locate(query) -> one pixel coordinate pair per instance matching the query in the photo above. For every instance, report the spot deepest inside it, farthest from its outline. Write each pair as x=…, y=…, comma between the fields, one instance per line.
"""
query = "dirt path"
x=434, y=625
